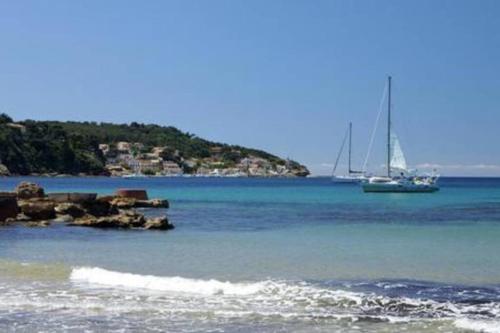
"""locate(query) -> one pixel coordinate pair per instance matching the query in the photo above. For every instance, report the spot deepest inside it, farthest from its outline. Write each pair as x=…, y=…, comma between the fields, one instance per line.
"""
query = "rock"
x=38, y=224
x=99, y=208
x=63, y=219
x=84, y=221
x=153, y=203
x=131, y=218
x=124, y=220
x=69, y=208
x=8, y=206
x=22, y=218
x=123, y=202
x=26, y=190
x=132, y=193
x=38, y=209
x=158, y=223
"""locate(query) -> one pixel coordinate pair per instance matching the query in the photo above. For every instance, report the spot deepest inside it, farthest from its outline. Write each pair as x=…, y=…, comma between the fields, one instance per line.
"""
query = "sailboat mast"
x=389, y=129
x=350, y=138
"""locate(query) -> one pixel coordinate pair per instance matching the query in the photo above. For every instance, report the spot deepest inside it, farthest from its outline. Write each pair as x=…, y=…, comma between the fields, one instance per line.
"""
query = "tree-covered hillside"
x=41, y=147
x=73, y=147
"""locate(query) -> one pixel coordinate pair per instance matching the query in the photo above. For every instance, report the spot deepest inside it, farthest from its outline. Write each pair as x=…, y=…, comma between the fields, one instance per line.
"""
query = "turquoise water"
x=264, y=255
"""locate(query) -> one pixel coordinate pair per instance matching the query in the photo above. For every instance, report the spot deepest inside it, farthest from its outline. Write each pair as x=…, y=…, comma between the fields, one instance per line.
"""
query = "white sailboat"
x=352, y=176
x=398, y=178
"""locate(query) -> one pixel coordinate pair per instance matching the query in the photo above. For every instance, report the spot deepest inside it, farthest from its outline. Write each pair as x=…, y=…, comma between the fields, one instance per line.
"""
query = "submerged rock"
x=27, y=190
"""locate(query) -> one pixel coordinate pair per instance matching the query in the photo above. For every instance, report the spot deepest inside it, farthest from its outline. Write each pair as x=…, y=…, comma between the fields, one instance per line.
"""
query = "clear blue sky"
x=284, y=76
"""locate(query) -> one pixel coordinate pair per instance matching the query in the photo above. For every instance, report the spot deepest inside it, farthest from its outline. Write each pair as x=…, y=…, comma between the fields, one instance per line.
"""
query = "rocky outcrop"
x=8, y=206
x=26, y=190
x=29, y=205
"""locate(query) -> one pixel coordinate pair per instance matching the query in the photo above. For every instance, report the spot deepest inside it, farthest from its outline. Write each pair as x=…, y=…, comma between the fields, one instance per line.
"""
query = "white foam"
x=95, y=275
x=280, y=298
x=484, y=326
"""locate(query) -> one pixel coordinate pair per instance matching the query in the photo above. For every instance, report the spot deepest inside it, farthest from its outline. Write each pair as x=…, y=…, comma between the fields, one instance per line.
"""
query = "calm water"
x=267, y=255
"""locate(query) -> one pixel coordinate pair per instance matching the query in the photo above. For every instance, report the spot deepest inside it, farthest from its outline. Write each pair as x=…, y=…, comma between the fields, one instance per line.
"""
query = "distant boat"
x=398, y=178
x=352, y=176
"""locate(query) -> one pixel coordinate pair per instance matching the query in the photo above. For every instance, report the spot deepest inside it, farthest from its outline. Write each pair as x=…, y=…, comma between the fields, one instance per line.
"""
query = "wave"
x=298, y=299
x=173, y=284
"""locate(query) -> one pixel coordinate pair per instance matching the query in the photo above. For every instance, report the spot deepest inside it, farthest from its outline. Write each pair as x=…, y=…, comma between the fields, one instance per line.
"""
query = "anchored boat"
x=353, y=176
x=398, y=178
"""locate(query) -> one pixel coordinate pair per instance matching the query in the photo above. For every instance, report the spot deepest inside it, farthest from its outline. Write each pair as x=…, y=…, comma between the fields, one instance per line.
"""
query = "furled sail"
x=398, y=160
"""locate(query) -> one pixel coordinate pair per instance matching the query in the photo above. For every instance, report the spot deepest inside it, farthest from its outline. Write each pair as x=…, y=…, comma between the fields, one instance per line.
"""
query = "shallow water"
x=271, y=255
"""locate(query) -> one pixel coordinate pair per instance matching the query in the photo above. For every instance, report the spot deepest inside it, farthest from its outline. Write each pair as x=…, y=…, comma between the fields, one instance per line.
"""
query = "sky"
x=283, y=76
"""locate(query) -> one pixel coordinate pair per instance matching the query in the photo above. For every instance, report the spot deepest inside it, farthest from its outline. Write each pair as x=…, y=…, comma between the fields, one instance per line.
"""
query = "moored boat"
x=352, y=176
x=403, y=185
x=398, y=179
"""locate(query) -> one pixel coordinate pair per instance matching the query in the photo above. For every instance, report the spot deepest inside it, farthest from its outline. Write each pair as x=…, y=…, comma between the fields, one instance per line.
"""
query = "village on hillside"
x=130, y=159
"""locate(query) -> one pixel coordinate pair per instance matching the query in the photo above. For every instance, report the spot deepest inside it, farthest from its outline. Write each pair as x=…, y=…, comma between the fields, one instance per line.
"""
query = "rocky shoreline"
x=29, y=205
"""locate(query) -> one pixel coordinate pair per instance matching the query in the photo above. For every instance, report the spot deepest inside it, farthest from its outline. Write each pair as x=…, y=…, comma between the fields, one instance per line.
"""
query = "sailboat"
x=352, y=176
x=399, y=178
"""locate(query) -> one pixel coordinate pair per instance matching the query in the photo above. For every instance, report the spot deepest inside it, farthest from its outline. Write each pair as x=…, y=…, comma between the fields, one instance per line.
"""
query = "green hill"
x=29, y=146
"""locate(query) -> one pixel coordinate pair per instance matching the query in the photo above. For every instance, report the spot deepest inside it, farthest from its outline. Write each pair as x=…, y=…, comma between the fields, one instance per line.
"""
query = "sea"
x=262, y=255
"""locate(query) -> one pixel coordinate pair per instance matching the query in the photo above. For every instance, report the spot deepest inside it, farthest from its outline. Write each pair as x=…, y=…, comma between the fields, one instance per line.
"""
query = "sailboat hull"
x=349, y=179
x=399, y=188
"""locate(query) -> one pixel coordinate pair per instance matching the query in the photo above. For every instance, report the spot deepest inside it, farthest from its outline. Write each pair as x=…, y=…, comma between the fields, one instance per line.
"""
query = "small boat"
x=399, y=179
x=352, y=176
